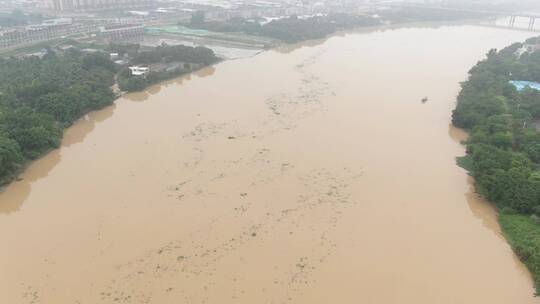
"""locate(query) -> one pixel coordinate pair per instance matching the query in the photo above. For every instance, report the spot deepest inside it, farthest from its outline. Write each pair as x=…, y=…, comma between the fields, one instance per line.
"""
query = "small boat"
x=424, y=100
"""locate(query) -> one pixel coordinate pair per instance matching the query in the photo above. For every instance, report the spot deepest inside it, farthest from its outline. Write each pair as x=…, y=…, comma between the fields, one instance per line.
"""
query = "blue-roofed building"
x=521, y=85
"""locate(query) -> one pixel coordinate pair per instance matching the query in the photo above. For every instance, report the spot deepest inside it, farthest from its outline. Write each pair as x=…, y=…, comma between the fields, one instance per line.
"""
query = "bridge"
x=532, y=20
x=487, y=13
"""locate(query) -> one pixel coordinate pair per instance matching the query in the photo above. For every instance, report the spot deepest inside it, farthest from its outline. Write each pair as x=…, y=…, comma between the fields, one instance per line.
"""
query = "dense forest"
x=40, y=97
x=503, y=150
x=186, y=57
x=292, y=29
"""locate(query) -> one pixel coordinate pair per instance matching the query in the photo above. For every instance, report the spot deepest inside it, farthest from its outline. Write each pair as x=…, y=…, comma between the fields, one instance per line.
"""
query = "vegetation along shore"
x=40, y=97
x=503, y=150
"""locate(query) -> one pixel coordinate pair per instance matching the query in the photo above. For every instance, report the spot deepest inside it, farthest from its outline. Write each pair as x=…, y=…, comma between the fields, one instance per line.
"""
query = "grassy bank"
x=523, y=234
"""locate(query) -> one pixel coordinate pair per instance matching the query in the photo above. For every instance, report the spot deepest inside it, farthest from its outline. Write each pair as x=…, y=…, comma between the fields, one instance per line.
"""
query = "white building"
x=138, y=71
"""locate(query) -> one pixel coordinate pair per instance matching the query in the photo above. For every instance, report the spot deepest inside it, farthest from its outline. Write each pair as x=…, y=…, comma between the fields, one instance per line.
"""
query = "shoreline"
x=121, y=93
x=507, y=184
x=159, y=167
x=383, y=27
x=118, y=95
x=504, y=225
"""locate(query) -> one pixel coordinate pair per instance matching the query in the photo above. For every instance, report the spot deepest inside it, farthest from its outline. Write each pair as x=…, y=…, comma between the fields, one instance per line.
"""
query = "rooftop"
x=521, y=85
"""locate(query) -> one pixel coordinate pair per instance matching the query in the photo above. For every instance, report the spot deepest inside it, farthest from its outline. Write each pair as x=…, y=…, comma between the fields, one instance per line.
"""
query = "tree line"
x=503, y=149
x=291, y=29
x=41, y=97
x=186, y=57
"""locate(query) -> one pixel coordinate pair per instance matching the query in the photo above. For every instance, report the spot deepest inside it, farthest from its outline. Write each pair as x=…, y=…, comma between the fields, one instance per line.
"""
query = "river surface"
x=307, y=174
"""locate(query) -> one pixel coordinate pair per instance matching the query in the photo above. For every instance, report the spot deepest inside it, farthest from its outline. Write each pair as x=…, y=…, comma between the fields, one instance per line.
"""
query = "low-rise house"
x=138, y=70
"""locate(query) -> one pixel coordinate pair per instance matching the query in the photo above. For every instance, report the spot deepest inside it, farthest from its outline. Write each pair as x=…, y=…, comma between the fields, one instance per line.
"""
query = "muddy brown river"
x=307, y=174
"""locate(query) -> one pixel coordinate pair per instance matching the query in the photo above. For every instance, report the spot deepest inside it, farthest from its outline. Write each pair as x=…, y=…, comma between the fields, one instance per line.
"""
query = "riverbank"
x=162, y=63
x=57, y=114
x=185, y=193
x=41, y=97
x=504, y=144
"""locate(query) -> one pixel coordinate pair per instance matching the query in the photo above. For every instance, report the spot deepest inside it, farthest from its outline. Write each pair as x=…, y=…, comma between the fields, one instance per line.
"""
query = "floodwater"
x=307, y=174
